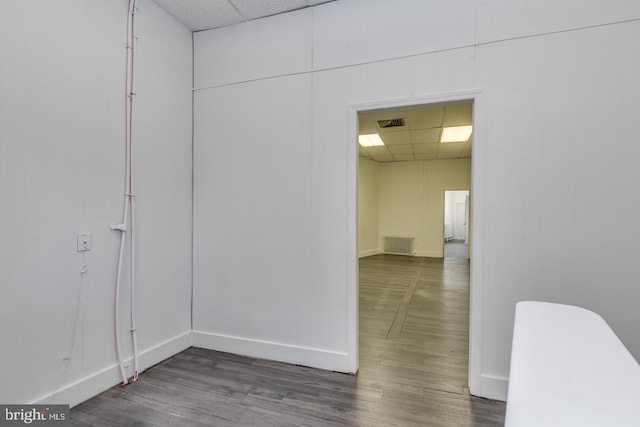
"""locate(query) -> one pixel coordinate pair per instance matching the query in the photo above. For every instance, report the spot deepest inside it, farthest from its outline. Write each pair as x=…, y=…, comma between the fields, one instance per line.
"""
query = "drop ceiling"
x=198, y=15
x=419, y=136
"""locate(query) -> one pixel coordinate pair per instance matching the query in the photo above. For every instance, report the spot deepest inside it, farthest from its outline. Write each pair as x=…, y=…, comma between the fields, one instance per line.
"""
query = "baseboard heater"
x=398, y=245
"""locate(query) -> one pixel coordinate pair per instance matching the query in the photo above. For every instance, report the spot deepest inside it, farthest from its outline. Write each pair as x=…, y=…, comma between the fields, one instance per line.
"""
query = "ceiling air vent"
x=391, y=123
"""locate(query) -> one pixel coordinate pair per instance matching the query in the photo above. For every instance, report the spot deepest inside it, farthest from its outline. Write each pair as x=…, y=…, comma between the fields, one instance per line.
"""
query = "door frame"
x=478, y=160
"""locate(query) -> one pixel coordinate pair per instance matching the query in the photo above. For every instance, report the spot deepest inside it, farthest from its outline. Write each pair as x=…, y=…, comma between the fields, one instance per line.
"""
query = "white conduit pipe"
x=128, y=211
x=122, y=228
x=131, y=40
x=133, y=297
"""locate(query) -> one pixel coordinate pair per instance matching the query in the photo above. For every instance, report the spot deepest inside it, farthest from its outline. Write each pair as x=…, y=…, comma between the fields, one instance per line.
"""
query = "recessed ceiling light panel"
x=370, y=140
x=456, y=134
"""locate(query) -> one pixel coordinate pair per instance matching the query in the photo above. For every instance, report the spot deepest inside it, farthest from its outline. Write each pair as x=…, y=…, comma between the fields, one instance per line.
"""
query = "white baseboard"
x=429, y=254
x=491, y=387
x=97, y=382
x=312, y=357
x=488, y=386
x=370, y=252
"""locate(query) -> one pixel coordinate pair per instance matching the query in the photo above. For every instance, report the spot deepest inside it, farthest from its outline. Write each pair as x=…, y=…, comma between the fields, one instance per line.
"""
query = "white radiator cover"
x=398, y=245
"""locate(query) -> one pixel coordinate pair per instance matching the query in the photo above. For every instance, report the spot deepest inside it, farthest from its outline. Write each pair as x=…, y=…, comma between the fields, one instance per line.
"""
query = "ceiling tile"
x=403, y=157
x=401, y=149
x=425, y=156
x=457, y=115
x=425, y=148
x=378, y=151
x=425, y=136
x=198, y=15
x=396, y=138
x=201, y=14
x=451, y=147
x=383, y=158
x=367, y=126
x=425, y=118
x=252, y=9
x=446, y=156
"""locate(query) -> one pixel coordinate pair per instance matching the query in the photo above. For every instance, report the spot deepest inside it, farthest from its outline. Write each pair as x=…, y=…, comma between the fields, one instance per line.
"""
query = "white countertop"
x=568, y=368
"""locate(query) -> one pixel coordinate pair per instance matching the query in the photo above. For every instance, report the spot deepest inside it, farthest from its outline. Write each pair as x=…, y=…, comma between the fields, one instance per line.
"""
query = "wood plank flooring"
x=414, y=326
x=414, y=316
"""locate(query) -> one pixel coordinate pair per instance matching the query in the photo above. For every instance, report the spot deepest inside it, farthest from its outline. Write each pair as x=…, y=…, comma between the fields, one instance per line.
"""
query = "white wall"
x=62, y=172
x=411, y=201
x=276, y=167
x=368, y=189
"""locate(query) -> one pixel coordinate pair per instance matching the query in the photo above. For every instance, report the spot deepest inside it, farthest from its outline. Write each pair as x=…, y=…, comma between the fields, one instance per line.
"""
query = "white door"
x=466, y=219
x=459, y=223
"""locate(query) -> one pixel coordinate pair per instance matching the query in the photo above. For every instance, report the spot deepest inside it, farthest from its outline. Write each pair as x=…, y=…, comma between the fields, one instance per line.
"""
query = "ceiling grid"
x=419, y=136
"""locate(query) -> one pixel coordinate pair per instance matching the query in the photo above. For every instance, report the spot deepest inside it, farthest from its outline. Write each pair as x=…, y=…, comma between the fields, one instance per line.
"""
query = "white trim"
x=353, y=165
x=370, y=252
x=477, y=382
x=429, y=254
x=492, y=387
x=476, y=252
x=306, y=356
x=97, y=382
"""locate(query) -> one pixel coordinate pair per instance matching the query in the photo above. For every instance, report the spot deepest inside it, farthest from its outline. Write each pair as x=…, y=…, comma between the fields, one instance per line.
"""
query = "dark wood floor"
x=414, y=316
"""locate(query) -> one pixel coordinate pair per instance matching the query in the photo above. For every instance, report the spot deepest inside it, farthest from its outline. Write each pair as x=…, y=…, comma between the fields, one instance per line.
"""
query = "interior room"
x=222, y=134
x=402, y=183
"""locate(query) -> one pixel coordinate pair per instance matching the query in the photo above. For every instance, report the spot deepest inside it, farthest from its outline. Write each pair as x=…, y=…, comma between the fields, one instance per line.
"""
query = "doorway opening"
x=456, y=224
x=407, y=163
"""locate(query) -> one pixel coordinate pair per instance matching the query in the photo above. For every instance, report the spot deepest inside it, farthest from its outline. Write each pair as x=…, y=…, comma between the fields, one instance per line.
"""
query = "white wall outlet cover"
x=84, y=242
